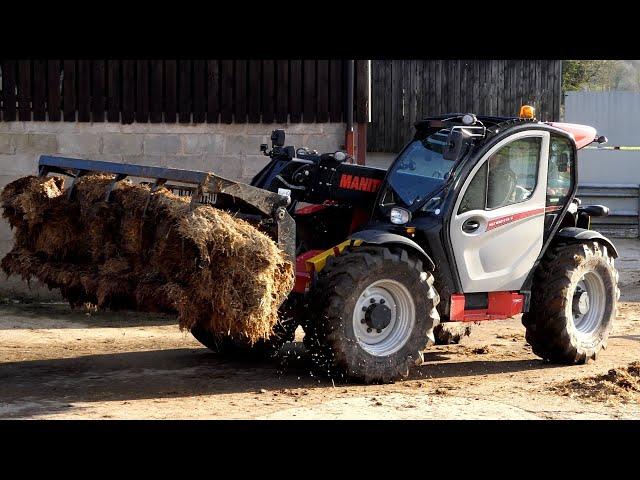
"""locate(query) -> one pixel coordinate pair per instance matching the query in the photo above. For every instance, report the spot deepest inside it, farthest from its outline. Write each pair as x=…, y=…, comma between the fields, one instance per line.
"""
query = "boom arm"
x=319, y=178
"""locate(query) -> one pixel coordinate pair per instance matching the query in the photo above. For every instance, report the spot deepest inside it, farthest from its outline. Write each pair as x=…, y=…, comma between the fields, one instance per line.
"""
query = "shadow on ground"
x=433, y=368
x=31, y=316
x=49, y=386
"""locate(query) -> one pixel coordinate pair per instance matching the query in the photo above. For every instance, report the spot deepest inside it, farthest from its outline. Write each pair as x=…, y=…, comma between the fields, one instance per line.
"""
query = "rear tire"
x=343, y=335
x=573, y=303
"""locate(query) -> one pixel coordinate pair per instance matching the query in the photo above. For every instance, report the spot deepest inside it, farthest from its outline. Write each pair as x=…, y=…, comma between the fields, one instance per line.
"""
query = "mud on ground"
x=55, y=363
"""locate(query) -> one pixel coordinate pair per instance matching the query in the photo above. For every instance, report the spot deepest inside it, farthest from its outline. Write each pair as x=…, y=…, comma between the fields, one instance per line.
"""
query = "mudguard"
x=380, y=237
x=577, y=235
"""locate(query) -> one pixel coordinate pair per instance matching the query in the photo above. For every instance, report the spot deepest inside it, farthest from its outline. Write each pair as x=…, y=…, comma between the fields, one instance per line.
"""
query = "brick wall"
x=231, y=151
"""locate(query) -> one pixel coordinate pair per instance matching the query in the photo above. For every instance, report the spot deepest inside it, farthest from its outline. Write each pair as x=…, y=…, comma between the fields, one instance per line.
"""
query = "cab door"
x=497, y=223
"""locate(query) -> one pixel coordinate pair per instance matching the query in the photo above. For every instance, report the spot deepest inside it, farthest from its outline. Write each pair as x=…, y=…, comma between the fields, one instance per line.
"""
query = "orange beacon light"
x=527, y=111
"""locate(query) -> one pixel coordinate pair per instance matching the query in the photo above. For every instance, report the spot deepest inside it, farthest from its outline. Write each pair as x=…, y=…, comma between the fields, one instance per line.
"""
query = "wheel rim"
x=371, y=312
x=588, y=308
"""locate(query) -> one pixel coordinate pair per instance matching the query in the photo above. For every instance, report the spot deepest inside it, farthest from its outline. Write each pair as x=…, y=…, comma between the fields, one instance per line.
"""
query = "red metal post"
x=361, y=151
x=349, y=142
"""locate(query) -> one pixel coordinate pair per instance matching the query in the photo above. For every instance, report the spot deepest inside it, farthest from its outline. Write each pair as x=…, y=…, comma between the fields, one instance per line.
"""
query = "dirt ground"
x=55, y=363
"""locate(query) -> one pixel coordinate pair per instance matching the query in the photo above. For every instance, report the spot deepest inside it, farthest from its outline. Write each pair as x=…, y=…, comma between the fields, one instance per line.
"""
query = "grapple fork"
x=269, y=204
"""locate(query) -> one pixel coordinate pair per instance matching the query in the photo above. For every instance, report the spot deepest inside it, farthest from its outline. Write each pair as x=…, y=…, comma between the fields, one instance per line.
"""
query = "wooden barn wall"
x=183, y=91
x=404, y=91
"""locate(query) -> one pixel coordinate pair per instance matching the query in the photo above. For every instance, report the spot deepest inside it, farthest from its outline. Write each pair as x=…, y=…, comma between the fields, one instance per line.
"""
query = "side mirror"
x=457, y=143
x=277, y=138
x=602, y=139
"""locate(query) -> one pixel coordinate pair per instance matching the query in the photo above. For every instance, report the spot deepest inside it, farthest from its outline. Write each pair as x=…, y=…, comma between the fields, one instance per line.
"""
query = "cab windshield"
x=420, y=169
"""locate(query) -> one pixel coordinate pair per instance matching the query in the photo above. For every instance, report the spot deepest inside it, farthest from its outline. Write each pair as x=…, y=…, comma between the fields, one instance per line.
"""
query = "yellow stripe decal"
x=317, y=263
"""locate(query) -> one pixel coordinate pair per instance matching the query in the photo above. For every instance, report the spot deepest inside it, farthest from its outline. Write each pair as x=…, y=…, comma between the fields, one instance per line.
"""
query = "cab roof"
x=438, y=120
x=582, y=135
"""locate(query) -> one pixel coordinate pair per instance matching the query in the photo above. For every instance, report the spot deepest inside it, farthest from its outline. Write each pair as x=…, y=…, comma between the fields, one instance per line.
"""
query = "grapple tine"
x=195, y=197
x=112, y=185
x=157, y=184
x=72, y=187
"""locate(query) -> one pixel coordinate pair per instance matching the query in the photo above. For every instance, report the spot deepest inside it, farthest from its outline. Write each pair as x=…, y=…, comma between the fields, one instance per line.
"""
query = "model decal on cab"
x=500, y=221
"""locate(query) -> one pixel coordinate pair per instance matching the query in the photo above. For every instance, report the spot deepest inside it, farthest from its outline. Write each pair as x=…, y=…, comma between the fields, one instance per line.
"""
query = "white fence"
x=602, y=172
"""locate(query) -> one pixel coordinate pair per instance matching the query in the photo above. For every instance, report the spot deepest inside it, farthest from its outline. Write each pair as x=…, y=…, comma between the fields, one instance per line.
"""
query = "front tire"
x=372, y=314
x=573, y=303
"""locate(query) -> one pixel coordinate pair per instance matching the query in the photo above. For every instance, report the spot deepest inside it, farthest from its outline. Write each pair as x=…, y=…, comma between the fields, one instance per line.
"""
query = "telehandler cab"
x=476, y=219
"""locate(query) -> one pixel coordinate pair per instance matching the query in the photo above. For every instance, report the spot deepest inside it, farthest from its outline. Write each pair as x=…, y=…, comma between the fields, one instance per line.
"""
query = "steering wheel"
x=507, y=179
x=522, y=193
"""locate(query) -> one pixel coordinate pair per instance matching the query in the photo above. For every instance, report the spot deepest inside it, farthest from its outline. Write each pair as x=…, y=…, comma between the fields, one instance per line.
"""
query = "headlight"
x=399, y=216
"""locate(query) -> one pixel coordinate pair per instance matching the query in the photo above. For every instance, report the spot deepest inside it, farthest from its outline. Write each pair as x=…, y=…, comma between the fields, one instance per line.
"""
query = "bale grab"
x=146, y=249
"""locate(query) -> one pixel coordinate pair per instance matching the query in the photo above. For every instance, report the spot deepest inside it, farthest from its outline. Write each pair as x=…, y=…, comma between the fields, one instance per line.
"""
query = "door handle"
x=470, y=226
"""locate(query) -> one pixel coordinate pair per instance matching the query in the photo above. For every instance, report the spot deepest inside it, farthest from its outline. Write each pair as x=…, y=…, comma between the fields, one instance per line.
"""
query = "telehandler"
x=476, y=219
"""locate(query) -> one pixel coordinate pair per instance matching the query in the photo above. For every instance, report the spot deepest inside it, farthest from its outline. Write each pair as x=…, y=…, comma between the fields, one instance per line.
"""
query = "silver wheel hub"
x=588, y=307
x=384, y=317
x=583, y=303
x=377, y=316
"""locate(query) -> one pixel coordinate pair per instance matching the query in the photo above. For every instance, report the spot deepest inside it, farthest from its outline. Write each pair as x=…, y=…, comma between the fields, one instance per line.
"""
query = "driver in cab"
x=502, y=185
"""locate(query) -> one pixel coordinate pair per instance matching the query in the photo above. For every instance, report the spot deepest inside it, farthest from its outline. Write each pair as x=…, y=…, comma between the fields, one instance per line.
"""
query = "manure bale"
x=25, y=199
x=147, y=251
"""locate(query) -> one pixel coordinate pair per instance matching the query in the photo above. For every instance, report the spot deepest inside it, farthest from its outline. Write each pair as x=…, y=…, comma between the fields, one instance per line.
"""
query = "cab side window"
x=509, y=176
x=476, y=195
x=560, y=171
x=513, y=172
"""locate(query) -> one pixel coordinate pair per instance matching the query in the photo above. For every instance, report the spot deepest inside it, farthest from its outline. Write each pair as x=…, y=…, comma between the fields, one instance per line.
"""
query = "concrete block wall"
x=232, y=151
